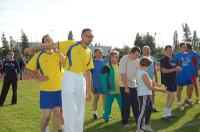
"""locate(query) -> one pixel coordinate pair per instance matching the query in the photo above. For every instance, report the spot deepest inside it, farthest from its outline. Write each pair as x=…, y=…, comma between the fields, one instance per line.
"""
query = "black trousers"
x=5, y=88
x=129, y=100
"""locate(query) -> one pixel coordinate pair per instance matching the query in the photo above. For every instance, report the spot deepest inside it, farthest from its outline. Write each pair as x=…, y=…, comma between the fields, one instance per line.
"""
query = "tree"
x=5, y=44
x=124, y=51
x=24, y=41
x=142, y=40
x=159, y=52
x=198, y=44
x=150, y=41
x=175, y=41
x=186, y=33
x=70, y=36
x=195, y=40
x=12, y=43
x=139, y=40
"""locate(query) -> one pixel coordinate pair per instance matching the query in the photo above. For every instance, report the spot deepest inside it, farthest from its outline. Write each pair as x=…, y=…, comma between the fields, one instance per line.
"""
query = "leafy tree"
x=159, y=53
x=12, y=43
x=175, y=41
x=5, y=44
x=24, y=41
x=195, y=40
x=142, y=40
x=139, y=40
x=125, y=50
x=186, y=33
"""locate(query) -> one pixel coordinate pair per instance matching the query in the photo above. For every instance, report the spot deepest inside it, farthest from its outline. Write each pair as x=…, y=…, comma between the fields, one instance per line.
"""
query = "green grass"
x=25, y=116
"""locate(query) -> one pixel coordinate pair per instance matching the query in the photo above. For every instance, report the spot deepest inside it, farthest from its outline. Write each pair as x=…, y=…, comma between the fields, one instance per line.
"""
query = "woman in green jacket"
x=110, y=78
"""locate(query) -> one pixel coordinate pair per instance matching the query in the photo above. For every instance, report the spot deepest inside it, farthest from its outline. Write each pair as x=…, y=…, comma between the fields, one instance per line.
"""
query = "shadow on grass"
x=193, y=125
x=6, y=105
x=160, y=124
x=101, y=126
x=91, y=121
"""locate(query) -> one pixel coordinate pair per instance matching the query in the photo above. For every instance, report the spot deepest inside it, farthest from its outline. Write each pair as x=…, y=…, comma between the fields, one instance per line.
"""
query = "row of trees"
x=147, y=39
x=11, y=44
x=140, y=40
x=187, y=37
x=19, y=46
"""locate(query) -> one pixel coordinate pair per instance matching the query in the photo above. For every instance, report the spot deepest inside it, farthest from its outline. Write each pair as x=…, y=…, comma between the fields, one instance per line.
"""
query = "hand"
x=155, y=84
x=92, y=89
x=56, y=51
x=126, y=90
x=40, y=78
x=88, y=96
x=178, y=68
x=161, y=90
x=3, y=75
x=27, y=51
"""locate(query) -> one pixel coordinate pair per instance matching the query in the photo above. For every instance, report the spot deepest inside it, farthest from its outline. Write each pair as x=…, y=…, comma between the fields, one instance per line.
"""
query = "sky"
x=114, y=22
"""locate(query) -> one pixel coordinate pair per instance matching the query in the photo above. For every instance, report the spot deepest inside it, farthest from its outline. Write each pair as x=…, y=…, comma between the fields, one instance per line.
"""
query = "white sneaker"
x=62, y=127
x=180, y=106
x=147, y=128
x=47, y=129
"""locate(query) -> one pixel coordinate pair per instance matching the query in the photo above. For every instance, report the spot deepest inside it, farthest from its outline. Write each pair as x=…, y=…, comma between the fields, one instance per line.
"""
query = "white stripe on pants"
x=73, y=101
x=142, y=112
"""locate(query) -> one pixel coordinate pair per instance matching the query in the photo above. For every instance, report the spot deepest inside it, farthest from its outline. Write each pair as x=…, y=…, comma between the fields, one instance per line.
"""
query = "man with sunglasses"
x=76, y=81
x=11, y=74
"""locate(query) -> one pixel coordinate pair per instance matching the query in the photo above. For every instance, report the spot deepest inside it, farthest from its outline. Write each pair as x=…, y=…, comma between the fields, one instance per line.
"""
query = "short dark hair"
x=168, y=46
x=85, y=30
x=134, y=49
x=145, y=62
x=44, y=37
x=182, y=43
x=189, y=45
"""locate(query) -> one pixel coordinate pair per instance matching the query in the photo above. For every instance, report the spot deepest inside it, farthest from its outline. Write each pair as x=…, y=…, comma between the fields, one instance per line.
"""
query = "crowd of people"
x=69, y=72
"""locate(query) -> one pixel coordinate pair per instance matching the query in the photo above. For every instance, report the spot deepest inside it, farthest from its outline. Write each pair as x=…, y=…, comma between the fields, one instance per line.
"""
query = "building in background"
x=104, y=48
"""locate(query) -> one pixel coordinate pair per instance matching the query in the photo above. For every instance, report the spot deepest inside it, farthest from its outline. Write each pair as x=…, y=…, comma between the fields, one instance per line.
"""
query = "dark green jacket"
x=108, y=80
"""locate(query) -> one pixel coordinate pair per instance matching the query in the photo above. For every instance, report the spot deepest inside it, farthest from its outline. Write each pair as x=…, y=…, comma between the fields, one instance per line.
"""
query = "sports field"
x=25, y=116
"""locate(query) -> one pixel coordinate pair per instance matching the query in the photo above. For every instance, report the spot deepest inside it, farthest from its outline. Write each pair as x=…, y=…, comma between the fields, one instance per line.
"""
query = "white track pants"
x=73, y=101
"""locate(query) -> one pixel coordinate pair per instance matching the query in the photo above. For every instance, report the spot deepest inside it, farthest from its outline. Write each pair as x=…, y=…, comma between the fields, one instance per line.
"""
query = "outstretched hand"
x=163, y=90
x=27, y=51
x=56, y=50
x=155, y=84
